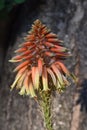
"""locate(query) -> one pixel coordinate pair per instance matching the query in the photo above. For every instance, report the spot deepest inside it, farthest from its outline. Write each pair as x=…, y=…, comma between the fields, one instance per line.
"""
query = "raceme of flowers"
x=40, y=60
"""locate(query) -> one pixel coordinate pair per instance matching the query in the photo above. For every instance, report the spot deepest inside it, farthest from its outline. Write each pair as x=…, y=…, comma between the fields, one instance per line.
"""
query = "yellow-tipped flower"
x=40, y=62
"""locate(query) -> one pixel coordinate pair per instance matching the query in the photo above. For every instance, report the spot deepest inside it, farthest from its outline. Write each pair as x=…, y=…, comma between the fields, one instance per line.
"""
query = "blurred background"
x=66, y=18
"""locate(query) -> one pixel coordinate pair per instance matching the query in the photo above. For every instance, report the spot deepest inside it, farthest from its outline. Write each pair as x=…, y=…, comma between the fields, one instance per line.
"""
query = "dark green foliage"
x=8, y=4
x=19, y=1
x=2, y=4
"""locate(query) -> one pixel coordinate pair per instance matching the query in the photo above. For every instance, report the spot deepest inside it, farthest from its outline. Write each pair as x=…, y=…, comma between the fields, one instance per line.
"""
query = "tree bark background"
x=68, y=19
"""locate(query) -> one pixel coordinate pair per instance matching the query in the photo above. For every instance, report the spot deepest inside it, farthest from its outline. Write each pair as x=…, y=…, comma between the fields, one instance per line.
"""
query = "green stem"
x=46, y=107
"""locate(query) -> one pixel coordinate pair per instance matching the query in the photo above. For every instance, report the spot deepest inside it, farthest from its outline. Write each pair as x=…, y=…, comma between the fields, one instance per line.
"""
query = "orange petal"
x=37, y=78
x=30, y=37
x=51, y=35
x=27, y=44
x=21, y=49
x=63, y=68
x=26, y=63
x=26, y=82
x=52, y=40
x=26, y=53
x=49, y=53
x=27, y=57
x=40, y=65
x=54, y=50
x=17, y=57
x=45, y=79
x=44, y=31
x=49, y=44
x=32, y=47
x=21, y=71
x=52, y=75
x=31, y=53
x=33, y=75
x=58, y=49
x=65, y=55
x=58, y=74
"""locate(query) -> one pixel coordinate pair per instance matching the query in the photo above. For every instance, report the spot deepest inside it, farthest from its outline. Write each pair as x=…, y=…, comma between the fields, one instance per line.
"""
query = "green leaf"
x=19, y=1
x=9, y=6
x=2, y=4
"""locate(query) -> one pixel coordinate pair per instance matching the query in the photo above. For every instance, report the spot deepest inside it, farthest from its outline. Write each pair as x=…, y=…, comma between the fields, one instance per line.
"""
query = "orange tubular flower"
x=40, y=62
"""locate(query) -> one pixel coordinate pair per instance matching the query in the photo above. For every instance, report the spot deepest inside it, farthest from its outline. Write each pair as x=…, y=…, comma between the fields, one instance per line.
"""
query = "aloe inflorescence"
x=41, y=69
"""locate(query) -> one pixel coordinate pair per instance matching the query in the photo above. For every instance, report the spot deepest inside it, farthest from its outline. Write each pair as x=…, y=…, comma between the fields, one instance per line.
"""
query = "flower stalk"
x=46, y=109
